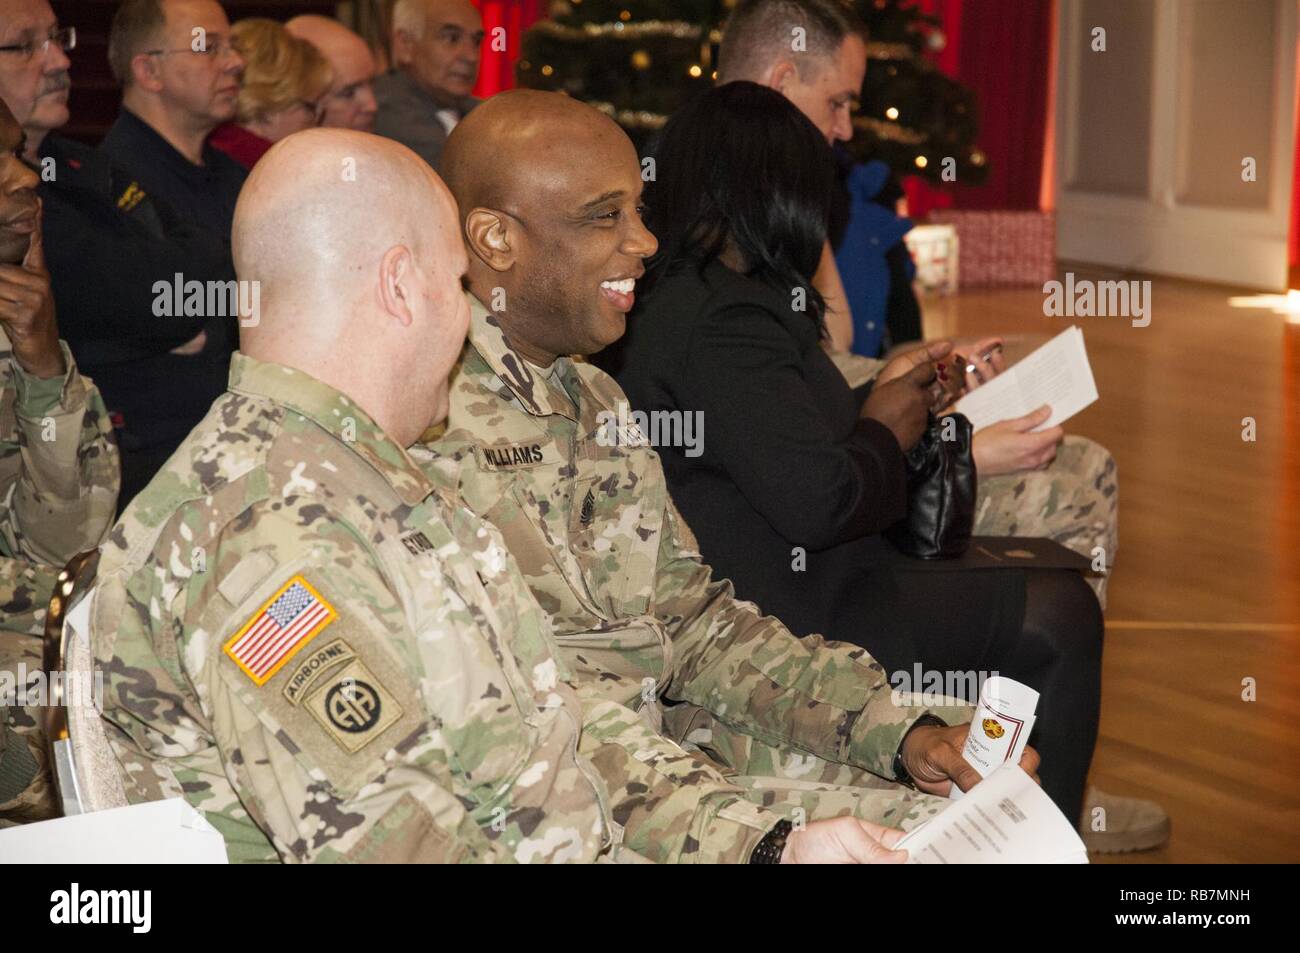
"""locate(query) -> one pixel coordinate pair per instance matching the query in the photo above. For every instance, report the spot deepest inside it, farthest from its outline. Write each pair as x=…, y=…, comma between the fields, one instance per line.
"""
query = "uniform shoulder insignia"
x=132, y=197
x=353, y=706
x=294, y=615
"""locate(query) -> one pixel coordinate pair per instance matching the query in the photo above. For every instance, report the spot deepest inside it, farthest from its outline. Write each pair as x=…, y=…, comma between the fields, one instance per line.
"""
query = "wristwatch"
x=772, y=846
x=900, y=769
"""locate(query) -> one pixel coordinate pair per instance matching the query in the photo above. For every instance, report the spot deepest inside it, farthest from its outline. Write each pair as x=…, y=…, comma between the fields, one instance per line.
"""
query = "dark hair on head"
x=759, y=32
x=136, y=25
x=741, y=165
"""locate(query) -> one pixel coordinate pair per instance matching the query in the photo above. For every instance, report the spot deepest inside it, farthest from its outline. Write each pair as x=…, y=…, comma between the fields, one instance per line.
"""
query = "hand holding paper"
x=1005, y=819
x=1057, y=374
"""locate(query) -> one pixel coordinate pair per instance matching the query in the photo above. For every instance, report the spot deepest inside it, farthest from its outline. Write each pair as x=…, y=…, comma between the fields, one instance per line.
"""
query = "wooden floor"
x=1206, y=589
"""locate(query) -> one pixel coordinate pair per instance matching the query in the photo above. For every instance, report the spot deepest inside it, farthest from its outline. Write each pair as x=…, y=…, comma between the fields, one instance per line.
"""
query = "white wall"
x=1152, y=132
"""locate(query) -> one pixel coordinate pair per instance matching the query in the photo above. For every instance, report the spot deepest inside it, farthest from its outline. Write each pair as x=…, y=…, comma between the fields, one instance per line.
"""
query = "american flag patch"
x=287, y=621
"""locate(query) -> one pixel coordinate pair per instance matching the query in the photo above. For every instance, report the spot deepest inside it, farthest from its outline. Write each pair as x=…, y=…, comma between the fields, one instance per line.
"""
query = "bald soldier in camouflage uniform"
x=313, y=641
x=583, y=505
x=59, y=476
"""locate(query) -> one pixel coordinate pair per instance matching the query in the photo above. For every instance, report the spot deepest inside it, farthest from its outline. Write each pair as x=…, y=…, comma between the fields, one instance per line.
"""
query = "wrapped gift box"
x=934, y=252
x=1003, y=249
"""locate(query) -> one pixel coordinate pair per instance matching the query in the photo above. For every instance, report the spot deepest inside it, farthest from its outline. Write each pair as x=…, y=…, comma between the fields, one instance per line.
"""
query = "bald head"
x=324, y=199
x=353, y=242
x=521, y=146
x=350, y=102
x=550, y=192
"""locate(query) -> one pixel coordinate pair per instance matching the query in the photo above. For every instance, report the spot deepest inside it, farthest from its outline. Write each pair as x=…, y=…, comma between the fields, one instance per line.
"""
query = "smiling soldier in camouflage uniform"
x=310, y=638
x=58, y=474
x=583, y=505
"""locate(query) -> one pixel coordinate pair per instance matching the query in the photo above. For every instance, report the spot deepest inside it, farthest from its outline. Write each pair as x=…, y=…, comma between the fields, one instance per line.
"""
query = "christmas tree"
x=911, y=115
x=638, y=60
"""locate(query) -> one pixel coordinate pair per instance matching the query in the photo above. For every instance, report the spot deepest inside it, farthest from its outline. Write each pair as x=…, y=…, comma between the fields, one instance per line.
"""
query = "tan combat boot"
x=1128, y=823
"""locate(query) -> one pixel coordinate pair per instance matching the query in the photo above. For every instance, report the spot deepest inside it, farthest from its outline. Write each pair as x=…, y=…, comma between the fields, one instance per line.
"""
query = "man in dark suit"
x=435, y=55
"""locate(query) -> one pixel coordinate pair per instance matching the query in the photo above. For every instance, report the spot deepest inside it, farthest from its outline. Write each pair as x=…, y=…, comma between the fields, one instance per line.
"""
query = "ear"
x=487, y=233
x=396, y=284
x=144, y=72
x=781, y=76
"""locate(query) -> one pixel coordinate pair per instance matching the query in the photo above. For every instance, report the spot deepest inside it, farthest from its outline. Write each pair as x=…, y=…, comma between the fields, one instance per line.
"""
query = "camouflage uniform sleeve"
x=59, y=472
x=673, y=806
x=827, y=698
x=858, y=371
x=25, y=592
x=333, y=754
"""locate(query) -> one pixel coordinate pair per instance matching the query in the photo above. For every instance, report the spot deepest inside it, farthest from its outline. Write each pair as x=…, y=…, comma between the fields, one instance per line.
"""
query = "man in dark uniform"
x=179, y=71
x=108, y=242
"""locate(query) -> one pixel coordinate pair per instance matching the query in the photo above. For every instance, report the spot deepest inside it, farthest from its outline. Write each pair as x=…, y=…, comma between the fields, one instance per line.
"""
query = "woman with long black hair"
x=798, y=474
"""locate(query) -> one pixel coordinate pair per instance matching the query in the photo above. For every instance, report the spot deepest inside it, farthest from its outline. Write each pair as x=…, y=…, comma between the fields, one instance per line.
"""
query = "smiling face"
x=19, y=206
x=35, y=89
x=578, y=242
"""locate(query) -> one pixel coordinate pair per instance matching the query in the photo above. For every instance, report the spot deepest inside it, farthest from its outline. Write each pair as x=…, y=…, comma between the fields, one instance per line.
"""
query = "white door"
x=1176, y=142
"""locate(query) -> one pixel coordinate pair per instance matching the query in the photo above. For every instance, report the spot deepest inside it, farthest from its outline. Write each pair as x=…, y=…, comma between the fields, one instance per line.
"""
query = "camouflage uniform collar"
x=530, y=386
x=336, y=414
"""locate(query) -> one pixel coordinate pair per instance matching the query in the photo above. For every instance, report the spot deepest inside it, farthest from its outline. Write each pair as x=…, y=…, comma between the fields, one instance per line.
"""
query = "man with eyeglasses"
x=108, y=239
x=436, y=48
x=179, y=73
x=33, y=67
x=350, y=102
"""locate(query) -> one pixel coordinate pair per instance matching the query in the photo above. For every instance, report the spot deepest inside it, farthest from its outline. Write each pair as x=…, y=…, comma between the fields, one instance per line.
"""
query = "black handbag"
x=940, y=492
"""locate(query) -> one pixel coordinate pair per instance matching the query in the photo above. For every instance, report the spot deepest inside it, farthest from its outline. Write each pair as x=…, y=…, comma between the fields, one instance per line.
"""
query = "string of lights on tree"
x=638, y=60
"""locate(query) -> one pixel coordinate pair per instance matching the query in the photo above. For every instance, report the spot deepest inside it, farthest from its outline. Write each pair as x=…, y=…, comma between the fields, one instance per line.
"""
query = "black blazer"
x=792, y=488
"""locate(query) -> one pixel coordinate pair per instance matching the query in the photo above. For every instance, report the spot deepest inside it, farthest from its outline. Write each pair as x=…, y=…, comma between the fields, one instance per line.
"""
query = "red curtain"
x=497, y=70
x=1294, y=256
x=1001, y=50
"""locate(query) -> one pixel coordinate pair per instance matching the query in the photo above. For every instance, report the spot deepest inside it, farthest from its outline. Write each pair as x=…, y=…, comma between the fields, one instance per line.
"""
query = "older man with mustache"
x=108, y=239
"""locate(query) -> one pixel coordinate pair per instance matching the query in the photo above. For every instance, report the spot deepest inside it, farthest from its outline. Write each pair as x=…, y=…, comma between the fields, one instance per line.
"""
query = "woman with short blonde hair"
x=284, y=80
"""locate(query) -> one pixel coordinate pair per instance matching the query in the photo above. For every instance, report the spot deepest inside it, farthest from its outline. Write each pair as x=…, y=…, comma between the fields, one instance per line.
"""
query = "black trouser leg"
x=971, y=621
x=1059, y=655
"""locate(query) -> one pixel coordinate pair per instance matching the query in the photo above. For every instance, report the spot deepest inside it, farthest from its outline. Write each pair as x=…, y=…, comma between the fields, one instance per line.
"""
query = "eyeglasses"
x=65, y=39
x=214, y=50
